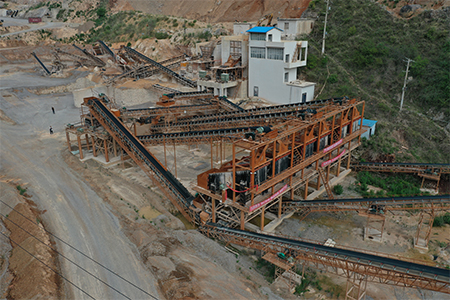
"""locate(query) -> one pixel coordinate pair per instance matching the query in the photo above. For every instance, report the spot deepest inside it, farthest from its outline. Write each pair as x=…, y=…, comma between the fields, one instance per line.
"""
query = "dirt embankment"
x=27, y=277
x=186, y=264
x=222, y=11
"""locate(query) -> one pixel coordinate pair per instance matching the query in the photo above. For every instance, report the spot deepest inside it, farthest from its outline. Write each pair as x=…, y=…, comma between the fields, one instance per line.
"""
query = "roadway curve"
x=75, y=212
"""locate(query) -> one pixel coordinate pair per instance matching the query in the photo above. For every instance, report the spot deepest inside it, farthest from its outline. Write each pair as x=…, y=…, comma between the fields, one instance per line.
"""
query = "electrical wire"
x=63, y=256
x=48, y=266
x=91, y=259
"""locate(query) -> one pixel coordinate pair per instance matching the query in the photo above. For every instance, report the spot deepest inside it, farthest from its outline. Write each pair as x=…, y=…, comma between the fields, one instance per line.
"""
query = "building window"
x=255, y=91
x=270, y=37
x=257, y=36
x=275, y=53
x=287, y=58
x=304, y=98
x=286, y=26
x=236, y=49
x=303, y=54
x=286, y=77
x=257, y=52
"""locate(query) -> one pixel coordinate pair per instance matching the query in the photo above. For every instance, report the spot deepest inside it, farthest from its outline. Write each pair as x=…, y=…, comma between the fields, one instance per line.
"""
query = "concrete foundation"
x=372, y=234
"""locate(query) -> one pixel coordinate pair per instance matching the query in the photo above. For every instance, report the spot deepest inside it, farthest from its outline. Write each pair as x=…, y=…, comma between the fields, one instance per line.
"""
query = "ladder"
x=325, y=184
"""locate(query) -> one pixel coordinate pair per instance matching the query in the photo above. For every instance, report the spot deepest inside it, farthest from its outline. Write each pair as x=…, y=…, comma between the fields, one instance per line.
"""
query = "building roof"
x=262, y=29
x=369, y=123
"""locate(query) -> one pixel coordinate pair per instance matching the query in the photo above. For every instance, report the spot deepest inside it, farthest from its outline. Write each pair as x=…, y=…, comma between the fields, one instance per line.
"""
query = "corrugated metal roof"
x=262, y=29
x=369, y=123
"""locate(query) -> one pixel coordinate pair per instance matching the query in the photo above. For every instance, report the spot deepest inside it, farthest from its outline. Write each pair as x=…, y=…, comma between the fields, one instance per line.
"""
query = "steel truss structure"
x=300, y=144
x=362, y=267
x=356, y=266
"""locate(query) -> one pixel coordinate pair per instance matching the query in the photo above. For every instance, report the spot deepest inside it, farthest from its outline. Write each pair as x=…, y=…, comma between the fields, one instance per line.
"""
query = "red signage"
x=264, y=202
x=332, y=146
x=326, y=163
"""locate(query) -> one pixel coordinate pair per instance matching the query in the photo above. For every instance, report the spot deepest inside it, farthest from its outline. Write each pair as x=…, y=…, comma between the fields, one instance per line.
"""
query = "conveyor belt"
x=199, y=136
x=168, y=71
x=41, y=63
x=261, y=241
x=230, y=104
x=402, y=167
x=165, y=88
x=137, y=149
x=97, y=61
x=388, y=203
x=230, y=122
x=268, y=109
x=107, y=49
x=164, y=111
x=187, y=94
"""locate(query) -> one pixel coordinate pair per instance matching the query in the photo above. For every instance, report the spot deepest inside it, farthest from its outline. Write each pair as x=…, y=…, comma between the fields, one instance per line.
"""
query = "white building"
x=292, y=27
x=273, y=65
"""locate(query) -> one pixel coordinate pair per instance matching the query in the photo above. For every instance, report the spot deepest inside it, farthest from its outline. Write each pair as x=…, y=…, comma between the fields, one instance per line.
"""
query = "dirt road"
x=75, y=212
x=7, y=21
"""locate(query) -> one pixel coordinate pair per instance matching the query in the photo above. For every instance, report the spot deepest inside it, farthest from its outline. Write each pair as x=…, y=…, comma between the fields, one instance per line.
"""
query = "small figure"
x=53, y=110
x=51, y=130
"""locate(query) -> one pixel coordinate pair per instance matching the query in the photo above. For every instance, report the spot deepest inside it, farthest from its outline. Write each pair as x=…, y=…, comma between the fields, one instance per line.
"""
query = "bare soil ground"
x=26, y=278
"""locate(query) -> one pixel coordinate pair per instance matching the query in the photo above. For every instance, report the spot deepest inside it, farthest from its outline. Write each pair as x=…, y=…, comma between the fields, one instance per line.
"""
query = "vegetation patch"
x=365, y=54
x=392, y=185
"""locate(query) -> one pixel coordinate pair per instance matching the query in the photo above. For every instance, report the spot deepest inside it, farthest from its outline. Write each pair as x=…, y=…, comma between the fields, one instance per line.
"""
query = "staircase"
x=325, y=184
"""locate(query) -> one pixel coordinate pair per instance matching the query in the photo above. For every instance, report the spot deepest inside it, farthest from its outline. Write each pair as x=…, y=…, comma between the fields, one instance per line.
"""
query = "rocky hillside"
x=222, y=11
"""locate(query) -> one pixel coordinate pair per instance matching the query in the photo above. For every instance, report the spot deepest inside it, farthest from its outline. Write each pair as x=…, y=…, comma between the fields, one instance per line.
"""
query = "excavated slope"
x=223, y=11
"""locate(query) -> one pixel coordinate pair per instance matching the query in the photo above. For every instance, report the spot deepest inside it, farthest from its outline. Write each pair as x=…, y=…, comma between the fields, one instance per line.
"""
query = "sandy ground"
x=74, y=211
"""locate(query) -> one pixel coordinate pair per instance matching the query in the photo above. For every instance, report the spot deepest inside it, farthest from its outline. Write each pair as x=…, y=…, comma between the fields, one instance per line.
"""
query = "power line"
x=68, y=259
x=47, y=266
x=72, y=247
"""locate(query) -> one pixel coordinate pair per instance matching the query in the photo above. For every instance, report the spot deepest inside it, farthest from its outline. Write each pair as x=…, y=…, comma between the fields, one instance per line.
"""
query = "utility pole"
x=325, y=28
x=404, y=83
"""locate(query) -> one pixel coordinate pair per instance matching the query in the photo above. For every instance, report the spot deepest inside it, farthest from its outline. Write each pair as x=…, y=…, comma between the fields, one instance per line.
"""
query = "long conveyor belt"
x=402, y=167
x=199, y=136
x=107, y=49
x=386, y=203
x=391, y=269
x=166, y=70
x=268, y=109
x=230, y=122
x=141, y=155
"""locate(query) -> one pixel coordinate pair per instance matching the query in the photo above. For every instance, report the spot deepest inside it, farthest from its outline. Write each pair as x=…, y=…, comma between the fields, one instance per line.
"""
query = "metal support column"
x=105, y=142
x=79, y=147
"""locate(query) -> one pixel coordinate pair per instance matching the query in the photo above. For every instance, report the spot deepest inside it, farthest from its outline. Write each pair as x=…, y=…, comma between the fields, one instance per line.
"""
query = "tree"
x=101, y=12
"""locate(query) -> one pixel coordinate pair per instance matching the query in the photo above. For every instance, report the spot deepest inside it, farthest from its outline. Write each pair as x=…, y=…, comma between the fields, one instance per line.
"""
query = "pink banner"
x=332, y=146
x=264, y=202
x=326, y=163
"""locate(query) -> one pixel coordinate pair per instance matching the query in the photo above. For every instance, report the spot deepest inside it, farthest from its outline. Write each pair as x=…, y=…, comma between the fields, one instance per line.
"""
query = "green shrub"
x=21, y=190
x=161, y=35
x=338, y=189
x=447, y=218
x=333, y=78
x=438, y=221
